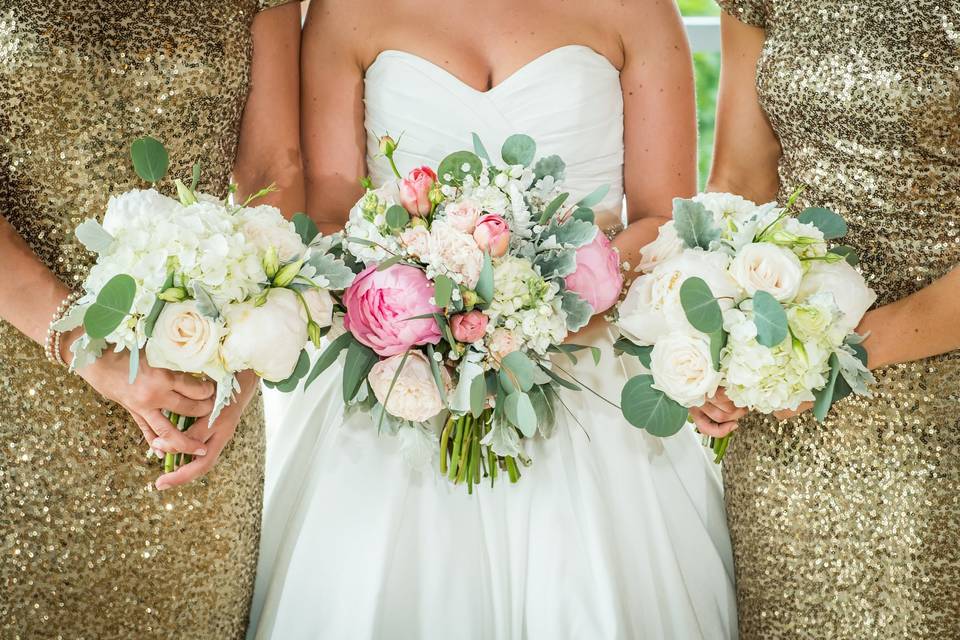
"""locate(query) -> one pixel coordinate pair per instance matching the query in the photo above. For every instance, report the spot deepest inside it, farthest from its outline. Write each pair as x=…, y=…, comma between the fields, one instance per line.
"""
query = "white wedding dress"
x=609, y=534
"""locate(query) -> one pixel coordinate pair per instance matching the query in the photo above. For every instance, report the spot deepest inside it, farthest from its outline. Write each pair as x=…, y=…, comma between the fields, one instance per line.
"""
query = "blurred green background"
x=707, y=69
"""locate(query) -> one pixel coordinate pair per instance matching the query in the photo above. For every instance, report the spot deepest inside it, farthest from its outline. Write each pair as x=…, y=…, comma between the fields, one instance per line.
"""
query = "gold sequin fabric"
x=850, y=529
x=88, y=549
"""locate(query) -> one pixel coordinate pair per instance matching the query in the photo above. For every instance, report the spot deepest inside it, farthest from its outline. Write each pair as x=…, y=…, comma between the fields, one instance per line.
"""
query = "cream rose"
x=682, y=368
x=320, y=304
x=266, y=227
x=845, y=284
x=455, y=253
x=415, y=396
x=268, y=338
x=184, y=339
x=501, y=343
x=667, y=245
x=462, y=216
x=767, y=267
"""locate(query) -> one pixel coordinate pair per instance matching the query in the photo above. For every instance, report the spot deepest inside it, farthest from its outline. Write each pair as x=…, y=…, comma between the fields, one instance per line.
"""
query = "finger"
x=704, y=424
x=715, y=413
x=196, y=468
x=148, y=433
x=193, y=387
x=726, y=428
x=170, y=439
x=722, y=403
x=201, y=430
x=185, y=406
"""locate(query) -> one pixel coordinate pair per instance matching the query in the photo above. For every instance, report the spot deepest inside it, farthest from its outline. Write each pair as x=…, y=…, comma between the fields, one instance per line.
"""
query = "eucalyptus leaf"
x=651, y=409
x=518, y=149
x=397, y=217
x=577, y=310
x=151, y=320
x=824, y=396
x=150, y=159
x=563, y=382
x=699, y=305
x=642, y=353
x=305, y=227
x=205, y=303
x=553, y=207
x=502, y=439
x=383, y=265
x=442, y=290
x=111, y=307
x=828, y=222
x=595, y=197
x=718, y=340
x=479, y=149
x=484, y=286
x=770, y=319
x=543, y=406
x=478, y=395
x=329, y=356
x=520, y=412
x=360, y=360
x=516, y=370
x=550, y=166
x=452, y=171
x=849, y=254
x=583, y=214
x=300, y=370
x=694, y=224
x=93, y=236
x=435, y=370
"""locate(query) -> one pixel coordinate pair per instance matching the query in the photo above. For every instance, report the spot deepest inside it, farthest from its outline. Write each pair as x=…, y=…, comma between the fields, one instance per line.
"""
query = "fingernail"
x=159, y=444
x=201, y=452
x=162, y=486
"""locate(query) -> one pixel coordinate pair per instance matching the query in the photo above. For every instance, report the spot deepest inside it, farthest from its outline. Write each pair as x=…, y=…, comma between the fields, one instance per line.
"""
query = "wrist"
x=872, y=326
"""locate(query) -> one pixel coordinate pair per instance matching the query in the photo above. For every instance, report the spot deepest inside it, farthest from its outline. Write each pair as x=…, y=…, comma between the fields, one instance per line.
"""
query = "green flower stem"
x=719, y=446
x=478, y=454
x=465, y=452
x=512, y=469
x=170, y=459
x=455, y=455
x=492, y=466
x=393, y=165
x=445, y=444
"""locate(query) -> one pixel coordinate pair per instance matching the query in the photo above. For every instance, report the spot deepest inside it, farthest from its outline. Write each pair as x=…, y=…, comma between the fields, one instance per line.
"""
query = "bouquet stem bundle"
x=464, y=459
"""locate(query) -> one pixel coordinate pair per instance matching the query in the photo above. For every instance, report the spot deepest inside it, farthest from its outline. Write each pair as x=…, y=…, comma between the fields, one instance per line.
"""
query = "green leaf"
x=356, y=368
x=300, y=370
x=518, y=149
x=305, y=227
x=701, y=308
x=595, y=196
x=583, y=214
x=205, y=303
x=569, y=349
x=563, y=382
x=552, y=208
x=694, y=224
x=442, y=290
x=151, y=320
x=397, y=217
x=543, y=405
x=824, y=396
x=849, y=254
x=150, y=159
x=435, y=370
x=624, y=345
x=516, y=370
x=484, y=287
x=93, y=236
x=550, y=166
x=479, y=149
x=520, y=412
x=830, y=224
x=770, y=319
x=329, y=356
x=478, y=395
x=571, y=233
x=111, y=307
x=651, y=409
x=451, y=169
x=335, y=270
x=718, y=340
x=195, y=177
x=577, y=310
x=383, y=265
x=556, y=263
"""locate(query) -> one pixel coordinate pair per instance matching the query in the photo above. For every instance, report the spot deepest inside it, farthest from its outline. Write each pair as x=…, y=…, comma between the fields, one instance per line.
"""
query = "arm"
x=660, y=121
x=269, y=148
x=333, y=135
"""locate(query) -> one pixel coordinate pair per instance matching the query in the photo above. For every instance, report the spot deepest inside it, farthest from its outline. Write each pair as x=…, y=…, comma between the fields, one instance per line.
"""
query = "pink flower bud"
x=492, y=235
x=415, y=191
x=468, y=327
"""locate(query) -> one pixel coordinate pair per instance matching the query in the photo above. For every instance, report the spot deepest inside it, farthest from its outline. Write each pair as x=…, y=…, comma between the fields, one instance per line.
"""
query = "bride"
x=611, y=533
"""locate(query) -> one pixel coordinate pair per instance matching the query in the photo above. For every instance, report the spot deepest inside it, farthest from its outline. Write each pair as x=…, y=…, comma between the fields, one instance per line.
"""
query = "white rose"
x=268, y=338
x=845, y=284
x=415, y=396
x=667, y=245
x=455, y=253
x=416, y=239
x=265, y=227
x=813, y=319
x=682, y=367
x=184, y=339
x=762, y=266
x=320, y=304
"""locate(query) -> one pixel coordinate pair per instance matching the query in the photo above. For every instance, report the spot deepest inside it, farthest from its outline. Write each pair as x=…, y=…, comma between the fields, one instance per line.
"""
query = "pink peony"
x=597, y=279
x=380, y=304
x=468, y=327
x=415, y=191
x=492, y=235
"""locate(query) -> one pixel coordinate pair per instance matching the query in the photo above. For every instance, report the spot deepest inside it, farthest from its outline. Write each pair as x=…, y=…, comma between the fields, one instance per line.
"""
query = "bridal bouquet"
x=470, y=278
x=202, y=286
x=745, y=297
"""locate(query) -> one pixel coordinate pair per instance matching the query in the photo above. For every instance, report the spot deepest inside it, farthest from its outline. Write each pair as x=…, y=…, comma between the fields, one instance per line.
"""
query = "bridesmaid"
x=851, y=528
x=90, y=548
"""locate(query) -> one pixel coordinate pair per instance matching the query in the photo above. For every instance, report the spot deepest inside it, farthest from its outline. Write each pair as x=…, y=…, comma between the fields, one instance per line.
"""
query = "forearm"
x=919, y=326
x=287, y=178
x=26, y=273
x=637, y=235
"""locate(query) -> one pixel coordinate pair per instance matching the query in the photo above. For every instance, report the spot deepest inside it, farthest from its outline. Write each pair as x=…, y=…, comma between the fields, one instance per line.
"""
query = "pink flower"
x=415, y=191
x=380, y=304
x=597, y=279
x=492, y=235
x=462, y=216
x=502, y=342
x=468, y=327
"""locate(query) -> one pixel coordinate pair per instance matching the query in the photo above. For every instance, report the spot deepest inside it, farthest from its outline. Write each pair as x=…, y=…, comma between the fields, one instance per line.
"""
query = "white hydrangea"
x=526, y=305
x=266, y=227
x=367, y=222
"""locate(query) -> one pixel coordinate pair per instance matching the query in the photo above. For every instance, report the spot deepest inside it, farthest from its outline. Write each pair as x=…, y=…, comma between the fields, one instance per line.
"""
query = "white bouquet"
x=745, y=297
x=203, y=286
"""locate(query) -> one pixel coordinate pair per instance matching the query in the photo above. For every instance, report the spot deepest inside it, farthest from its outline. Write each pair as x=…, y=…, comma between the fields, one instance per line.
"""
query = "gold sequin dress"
x=88, y=549
x=851, y=528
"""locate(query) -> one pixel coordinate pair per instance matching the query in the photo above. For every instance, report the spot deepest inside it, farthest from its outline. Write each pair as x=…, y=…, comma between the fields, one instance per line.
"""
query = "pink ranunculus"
x=598, y=279
x=492, y=234
x=415, y=191
x=380, y=304
x=468, y=327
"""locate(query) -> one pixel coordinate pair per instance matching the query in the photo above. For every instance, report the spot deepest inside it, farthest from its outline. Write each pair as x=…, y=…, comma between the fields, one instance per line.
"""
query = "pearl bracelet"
x=51, y=346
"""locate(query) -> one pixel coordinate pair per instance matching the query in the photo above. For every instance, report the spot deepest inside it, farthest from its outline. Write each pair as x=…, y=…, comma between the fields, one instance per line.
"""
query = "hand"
x=786, y=414
x=718, y=417
x=154, y=391
x=213, y=438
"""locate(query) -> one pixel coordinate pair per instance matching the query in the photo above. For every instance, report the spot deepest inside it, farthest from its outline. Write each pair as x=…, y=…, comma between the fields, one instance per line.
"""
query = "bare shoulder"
x=640, y=24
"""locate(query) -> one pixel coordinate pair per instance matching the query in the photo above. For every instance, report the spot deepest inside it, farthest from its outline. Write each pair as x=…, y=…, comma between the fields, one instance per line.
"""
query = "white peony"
x=667, y=245
x=455, y=254
x=415, y=396
x=845, y=284
x=267, y=339
x=184, y=339
x=763, y=266
x=682, y=368
x=727, y=208
x=265, y=227
x=320, y=303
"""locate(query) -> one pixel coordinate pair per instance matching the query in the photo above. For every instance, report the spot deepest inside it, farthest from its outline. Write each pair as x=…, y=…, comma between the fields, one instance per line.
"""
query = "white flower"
x=652, y=306
x=320, y=304
x=667, y=245
x=415, y=396
x=762, y=266
x=366, y=222
x=727, y=208
x=815, y=318
x=416, y=240
x=185, y=340
x=462, y=215
x=501, y=343
x=512, y=277
x=265, y=227
x=455, y=254
x=845, y=284
x=268, y=338
x=682, y=368
x=803, y=238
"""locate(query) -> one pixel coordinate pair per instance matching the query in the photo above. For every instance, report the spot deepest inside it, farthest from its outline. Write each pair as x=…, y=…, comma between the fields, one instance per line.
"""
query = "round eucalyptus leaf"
x=516, y=369
x=111, y=307
x=518, y=149
x=150, y=159
x=520, y=412
x=770, y=319
x=397, y=217
x=457, y=166
x=829, y=222
x=651, y=409
x=701, y=308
